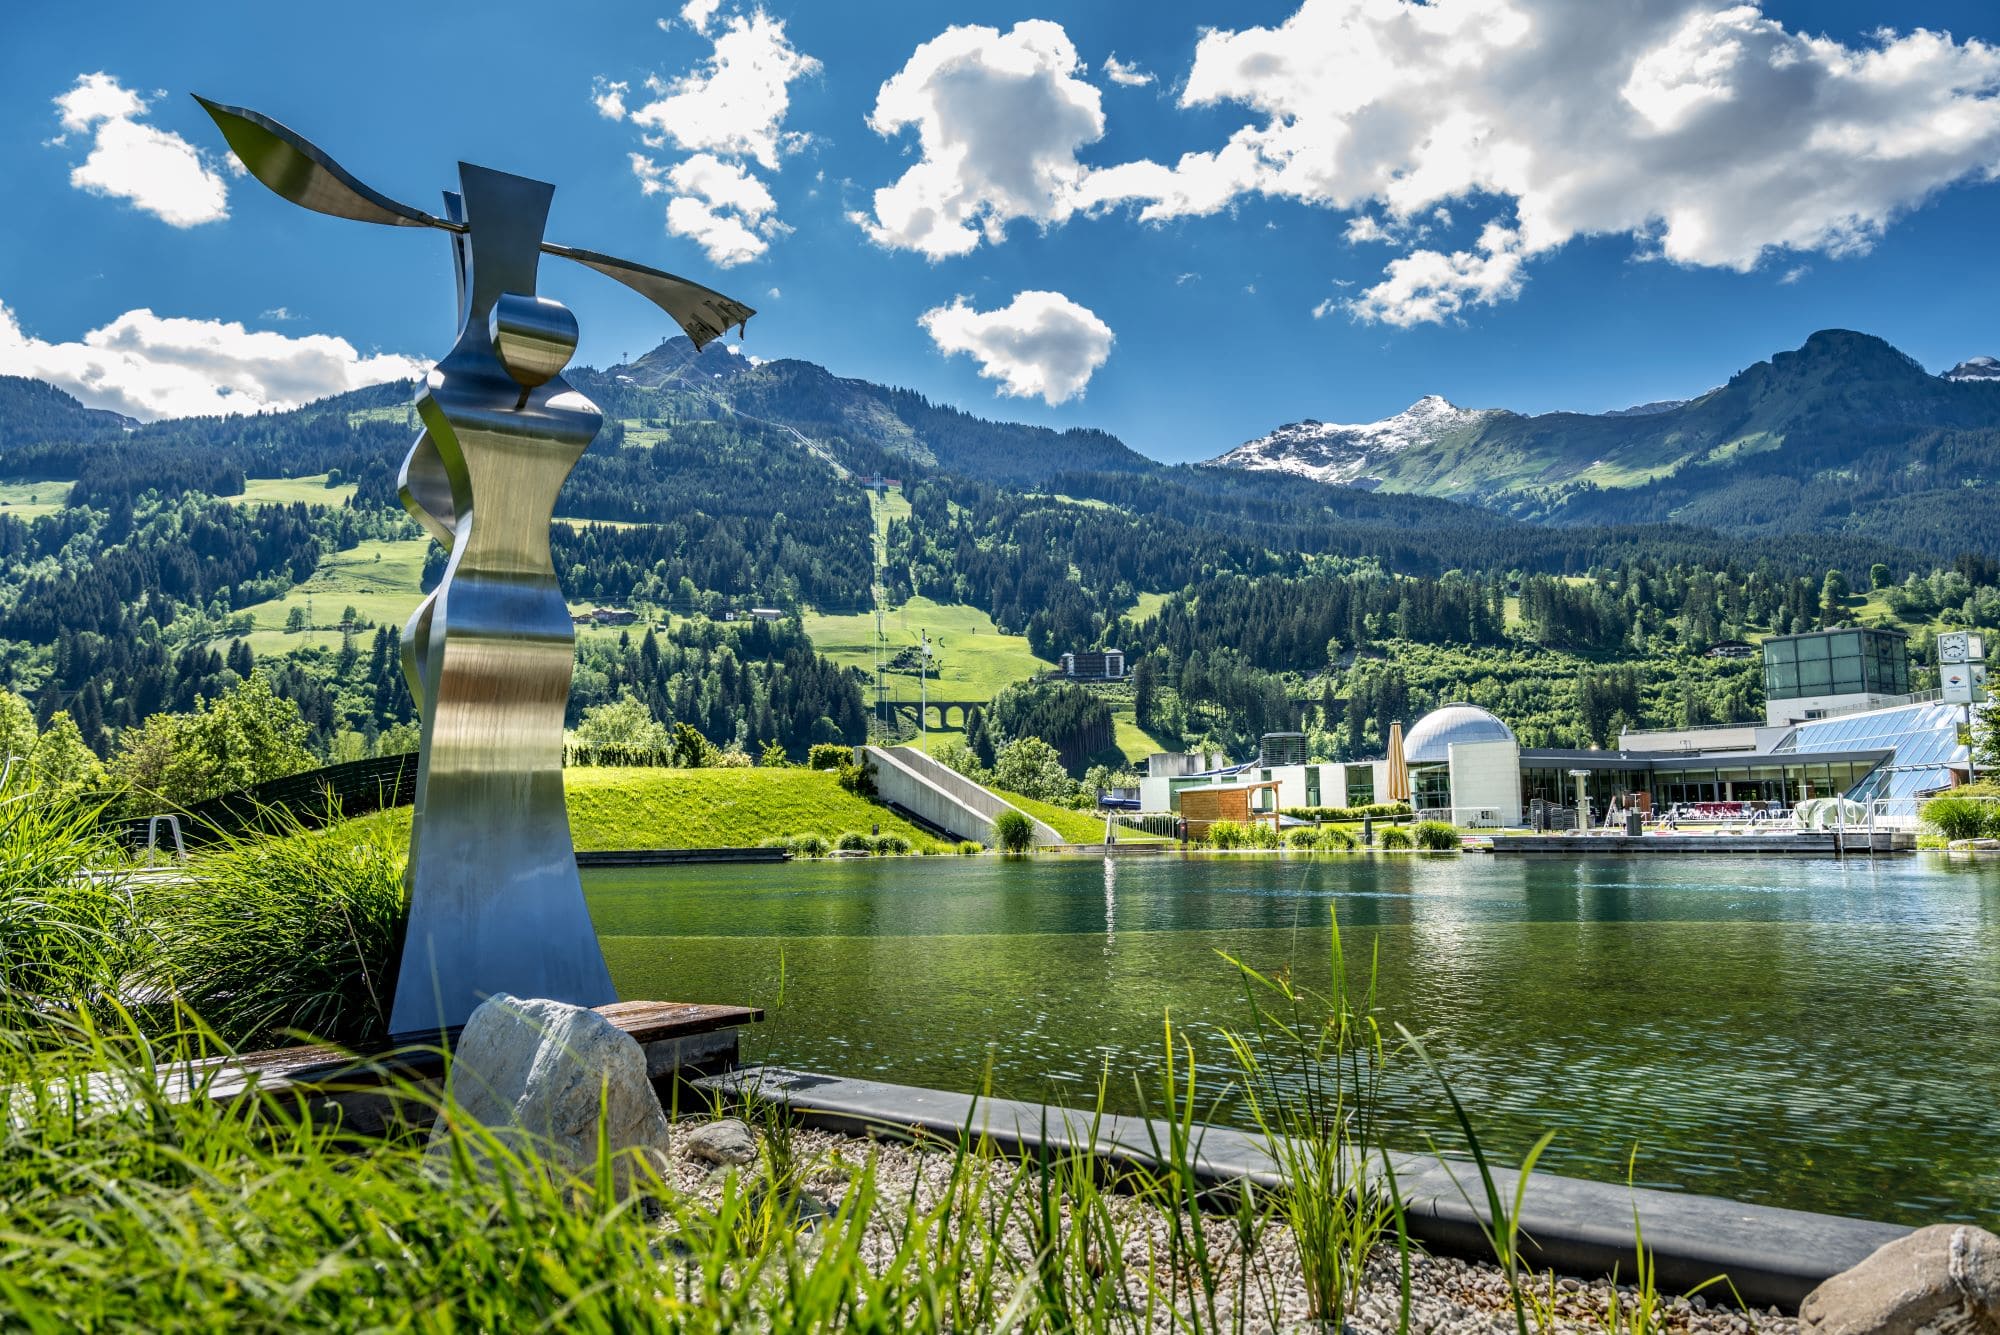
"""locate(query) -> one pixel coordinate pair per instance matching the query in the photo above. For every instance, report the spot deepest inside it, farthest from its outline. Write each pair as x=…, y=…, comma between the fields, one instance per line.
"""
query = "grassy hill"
x=379, y=579
x=1079, y=827
x=719, y=808
x=973, y=658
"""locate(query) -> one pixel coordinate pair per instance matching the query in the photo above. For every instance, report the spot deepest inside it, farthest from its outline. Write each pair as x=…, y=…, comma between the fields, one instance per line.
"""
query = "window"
x=1312, y=785
x=1360, y=785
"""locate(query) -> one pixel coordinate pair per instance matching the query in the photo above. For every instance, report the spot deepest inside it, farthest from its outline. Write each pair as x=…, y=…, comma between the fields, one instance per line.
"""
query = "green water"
x=1813, y=1034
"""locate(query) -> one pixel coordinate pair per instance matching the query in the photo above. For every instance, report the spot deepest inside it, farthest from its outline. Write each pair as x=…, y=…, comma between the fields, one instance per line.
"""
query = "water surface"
x=1807, y=1033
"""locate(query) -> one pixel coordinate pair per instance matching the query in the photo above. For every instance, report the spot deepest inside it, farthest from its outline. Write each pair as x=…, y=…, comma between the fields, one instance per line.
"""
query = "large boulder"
x=538, y=1074
x=1941, y=1280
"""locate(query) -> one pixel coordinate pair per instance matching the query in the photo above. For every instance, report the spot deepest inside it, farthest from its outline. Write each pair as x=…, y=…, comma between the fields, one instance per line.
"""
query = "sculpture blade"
x=300, y=171
x=701, y=312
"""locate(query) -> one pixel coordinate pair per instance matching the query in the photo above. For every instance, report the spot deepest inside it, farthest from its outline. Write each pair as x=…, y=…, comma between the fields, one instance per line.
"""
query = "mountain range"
x=1844, y=437
x=1845, y=433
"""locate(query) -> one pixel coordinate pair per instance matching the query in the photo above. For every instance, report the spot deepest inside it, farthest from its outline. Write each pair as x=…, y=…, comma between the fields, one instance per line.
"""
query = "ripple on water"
x=1797, y=1033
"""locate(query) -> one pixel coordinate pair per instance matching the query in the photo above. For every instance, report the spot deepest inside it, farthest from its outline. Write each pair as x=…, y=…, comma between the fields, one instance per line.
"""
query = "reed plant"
x=1312, y=1065
x=67, y=929
x=292, y=933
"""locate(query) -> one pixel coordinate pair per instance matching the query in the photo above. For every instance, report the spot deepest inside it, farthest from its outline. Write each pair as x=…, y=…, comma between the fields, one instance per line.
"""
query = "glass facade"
x=1924, y=738
x=1836, y=662
x=1360, y=785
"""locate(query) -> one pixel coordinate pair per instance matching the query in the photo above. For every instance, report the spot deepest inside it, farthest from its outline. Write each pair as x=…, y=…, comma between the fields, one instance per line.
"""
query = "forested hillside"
x=149, y=569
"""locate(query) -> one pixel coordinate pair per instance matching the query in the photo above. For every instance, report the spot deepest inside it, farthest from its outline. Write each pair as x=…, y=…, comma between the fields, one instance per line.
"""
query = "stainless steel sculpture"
x=495, y=903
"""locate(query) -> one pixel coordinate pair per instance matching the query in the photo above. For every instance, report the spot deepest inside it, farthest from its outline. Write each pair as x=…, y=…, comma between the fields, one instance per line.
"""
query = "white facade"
x=1779, y=713
x=1485, y=783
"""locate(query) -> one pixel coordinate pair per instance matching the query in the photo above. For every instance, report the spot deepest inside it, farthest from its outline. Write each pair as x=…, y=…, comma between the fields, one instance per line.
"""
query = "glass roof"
x=1924, y=738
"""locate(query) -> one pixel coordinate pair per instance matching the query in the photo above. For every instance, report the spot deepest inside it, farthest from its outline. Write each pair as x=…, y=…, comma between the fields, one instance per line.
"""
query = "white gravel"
x=1447, y=1294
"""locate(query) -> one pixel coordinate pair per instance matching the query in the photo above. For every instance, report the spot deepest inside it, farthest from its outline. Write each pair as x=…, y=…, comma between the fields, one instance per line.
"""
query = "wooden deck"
x=675, y=1036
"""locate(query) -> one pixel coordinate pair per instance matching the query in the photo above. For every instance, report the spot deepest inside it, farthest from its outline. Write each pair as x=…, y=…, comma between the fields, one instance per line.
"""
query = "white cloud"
x=775, y=294
x=1041, y=344
x=717, y=204
x=730, y=110
x=1131, y=76
x=698, y=13
x=1429, y=287
x=735, y=103
x=147, y=366
x=999, y=119
x=157, y=171
x=609, y=98
x=1793, y=274
x=1702, y=129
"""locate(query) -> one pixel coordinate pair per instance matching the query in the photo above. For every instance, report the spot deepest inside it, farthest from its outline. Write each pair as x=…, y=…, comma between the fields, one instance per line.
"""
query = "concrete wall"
x=941, y=795
x=1485, y=783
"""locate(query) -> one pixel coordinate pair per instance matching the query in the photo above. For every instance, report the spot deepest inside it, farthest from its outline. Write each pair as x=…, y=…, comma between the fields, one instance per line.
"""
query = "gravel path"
x=1447, y=1294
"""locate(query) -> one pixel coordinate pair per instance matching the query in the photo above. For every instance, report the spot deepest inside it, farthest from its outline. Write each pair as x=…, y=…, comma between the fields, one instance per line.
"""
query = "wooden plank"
x=321, y=1066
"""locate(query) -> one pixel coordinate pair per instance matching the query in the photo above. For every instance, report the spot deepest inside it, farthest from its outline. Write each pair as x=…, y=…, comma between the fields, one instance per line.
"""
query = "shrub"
x=1303, y=836
x=891, y=845
x=295, y=933
x=1437, y=836
x=853, y=841
x=1956, y=816
x=808, y=846
x=1378, y=810
x=1259, y=835
x=970, y=847
x=1013, y=832
x=1337, y=836
x=829, y=755
x=1395, y=836
x=1225, y=834
x=857, y=780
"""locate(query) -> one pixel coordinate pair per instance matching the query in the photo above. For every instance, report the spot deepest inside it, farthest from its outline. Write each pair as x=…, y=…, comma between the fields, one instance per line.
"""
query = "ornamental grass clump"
x=1956, y=816
x=1013, y=832
x=67, y=933
x=1437, y=836
x=290, y=933
x=1395, y=836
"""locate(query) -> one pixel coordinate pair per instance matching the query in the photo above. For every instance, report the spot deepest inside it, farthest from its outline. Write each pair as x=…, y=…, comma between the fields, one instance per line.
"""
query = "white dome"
x=1430, y=741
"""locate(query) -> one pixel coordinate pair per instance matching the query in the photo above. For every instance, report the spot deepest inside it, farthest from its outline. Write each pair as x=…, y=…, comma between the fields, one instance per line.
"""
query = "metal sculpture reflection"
x=495, y=903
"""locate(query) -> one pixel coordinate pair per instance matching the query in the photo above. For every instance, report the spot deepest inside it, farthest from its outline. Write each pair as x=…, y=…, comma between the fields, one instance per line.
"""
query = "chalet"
x=1094, y=665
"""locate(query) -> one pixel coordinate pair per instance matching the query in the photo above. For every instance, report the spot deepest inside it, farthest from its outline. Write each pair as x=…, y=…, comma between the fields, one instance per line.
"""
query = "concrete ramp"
x=940, y=795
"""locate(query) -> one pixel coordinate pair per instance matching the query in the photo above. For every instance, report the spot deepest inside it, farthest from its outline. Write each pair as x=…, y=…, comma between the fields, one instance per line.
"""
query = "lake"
x=1817, y=1034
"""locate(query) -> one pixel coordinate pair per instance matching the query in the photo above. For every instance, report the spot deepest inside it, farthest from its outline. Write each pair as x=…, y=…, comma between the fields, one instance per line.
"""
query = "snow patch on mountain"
x=1345, y=453
x=1975, y=368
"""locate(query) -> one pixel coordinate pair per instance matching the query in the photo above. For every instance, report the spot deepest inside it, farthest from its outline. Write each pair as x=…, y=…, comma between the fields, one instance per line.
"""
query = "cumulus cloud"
x=717, y=204
x=734, y=103
x=727, y=112
x=149, y=366
x=999, y=118
x=1131, y=76
x=700, y=13
x=155, y=170
x=1040, y=345
x=1706, y=131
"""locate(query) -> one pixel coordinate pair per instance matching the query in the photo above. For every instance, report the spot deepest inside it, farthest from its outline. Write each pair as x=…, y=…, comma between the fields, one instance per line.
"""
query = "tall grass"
x=66, y=926
x=292, y=933
x=1312, y=1065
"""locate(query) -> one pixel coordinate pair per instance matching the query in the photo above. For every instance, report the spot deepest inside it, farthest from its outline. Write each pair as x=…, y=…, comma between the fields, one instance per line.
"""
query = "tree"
x=1878, y=576
x=625, y=723
x=1032, y=768
x=1145, y=690
x=955, y=754
x=61, y=762
x=295, y=620
x=1833, y=597
x=17, y=726
x=691, y=750
x=247, y=736
x=773, y=756
x=1986, y=739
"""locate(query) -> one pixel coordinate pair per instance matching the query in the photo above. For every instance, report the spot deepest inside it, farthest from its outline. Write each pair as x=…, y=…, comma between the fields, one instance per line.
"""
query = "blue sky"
x=1272, y=211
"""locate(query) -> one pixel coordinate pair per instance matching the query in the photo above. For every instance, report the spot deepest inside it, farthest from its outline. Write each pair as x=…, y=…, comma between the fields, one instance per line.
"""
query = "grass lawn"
x=1078, y=827
x=718, y=808
x=1130, y=738
x=32, y=500
x=1145, y=607
x=311, y=489
x=379, y=579
x=974, y=660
